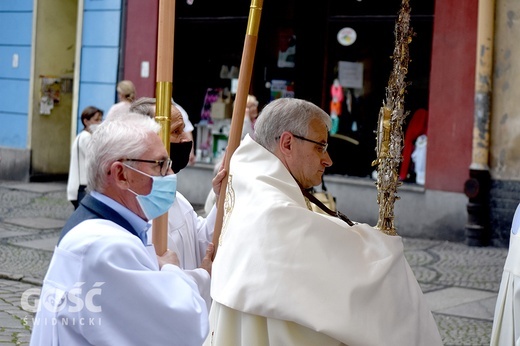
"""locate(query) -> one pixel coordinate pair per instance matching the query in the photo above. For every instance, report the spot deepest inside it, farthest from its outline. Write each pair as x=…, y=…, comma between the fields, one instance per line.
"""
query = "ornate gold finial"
x=390, y=130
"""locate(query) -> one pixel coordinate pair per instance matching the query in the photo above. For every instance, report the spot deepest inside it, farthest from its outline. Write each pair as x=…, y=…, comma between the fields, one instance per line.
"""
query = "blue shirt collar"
x=141, y=226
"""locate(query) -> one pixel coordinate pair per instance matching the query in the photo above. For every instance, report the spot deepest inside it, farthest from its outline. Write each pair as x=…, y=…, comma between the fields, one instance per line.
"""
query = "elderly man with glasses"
x=285, y=275
x=105, y=285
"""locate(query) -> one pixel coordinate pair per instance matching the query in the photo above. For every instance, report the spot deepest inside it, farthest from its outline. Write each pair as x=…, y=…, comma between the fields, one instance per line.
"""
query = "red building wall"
x=451, y=100
x=141, y=44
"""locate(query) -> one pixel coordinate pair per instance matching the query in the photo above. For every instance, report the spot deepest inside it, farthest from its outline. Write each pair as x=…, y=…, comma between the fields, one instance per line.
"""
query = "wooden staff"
x=163, y=94
x=237, y=119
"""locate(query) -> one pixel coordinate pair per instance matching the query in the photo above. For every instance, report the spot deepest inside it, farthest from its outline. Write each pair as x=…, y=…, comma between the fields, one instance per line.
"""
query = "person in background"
x=125, y=95
x=189, y=235
x=285, y=275
x=77, y=180
x=105, y=285
x=505, y=329
x=250, y=116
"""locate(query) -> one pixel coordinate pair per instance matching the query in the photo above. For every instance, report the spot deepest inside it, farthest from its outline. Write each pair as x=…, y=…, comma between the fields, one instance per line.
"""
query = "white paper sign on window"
x=350, y=74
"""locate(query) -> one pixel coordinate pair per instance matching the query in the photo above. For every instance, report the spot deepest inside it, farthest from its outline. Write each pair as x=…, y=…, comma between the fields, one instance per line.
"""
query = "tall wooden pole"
x=163, y=94
x=237, y=120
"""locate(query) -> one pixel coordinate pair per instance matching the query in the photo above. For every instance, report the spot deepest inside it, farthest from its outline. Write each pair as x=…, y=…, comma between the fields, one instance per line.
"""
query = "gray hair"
x=286, y=114
x=113, y=140
x=144, y=106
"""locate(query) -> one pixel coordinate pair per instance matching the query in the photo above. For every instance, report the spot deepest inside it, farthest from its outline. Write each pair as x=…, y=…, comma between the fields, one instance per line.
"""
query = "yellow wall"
x=54, y=55
x=505, y=110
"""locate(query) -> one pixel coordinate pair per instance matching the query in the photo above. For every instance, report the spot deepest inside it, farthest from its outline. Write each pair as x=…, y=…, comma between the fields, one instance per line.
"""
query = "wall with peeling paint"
x=505, y=109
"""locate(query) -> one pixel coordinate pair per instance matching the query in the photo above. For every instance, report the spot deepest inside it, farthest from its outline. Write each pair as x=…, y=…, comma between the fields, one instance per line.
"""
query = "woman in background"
x=126, y=95
x=250, y=116
x=77, y=182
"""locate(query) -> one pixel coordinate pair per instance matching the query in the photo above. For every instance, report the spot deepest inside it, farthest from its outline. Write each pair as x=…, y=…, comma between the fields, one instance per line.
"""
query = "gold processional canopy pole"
x=237, y=120
x=390, y=130
x=163, y=94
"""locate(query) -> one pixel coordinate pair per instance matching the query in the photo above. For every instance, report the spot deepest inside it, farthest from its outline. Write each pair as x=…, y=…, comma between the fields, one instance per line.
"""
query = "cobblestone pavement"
x=459, y=282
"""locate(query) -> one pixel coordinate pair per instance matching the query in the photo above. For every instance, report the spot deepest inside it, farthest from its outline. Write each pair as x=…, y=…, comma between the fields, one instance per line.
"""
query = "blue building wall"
x=15, y=39
x=100, y=49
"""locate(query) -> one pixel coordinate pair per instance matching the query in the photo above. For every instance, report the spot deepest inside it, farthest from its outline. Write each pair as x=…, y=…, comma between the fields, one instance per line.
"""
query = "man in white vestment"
x=285, y=275
x=105, y=285
x=506, y=323
x=189, y=235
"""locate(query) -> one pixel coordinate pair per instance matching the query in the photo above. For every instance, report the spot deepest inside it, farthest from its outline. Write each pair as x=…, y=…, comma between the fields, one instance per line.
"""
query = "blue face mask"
x=160, y=198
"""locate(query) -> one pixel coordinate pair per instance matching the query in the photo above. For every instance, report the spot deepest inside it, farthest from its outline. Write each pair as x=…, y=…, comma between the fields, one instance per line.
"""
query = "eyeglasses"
x=163, y=168
x=323, y=146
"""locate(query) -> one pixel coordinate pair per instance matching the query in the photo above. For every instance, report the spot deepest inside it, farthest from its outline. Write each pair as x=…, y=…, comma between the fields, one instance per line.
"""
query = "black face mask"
x=180, y=155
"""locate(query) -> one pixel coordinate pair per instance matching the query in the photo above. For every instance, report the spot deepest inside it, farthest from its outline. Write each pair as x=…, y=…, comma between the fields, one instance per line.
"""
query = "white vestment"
x=104, y=287
x=189, y=236
x=77, y=166
x=284, y=275
x=506, y=324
